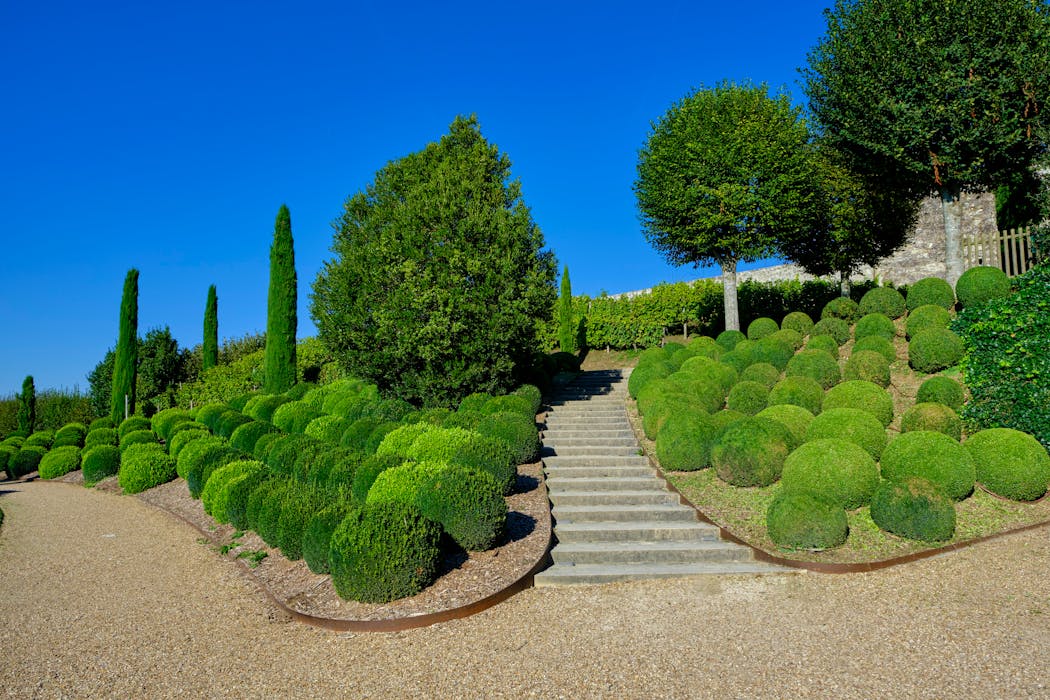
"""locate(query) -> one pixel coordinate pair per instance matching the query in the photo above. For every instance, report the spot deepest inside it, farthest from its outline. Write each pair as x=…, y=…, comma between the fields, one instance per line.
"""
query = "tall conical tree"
x=566, y=318
x=126, y=362
x=279, y=365
x=210, y=344
x=27, y=406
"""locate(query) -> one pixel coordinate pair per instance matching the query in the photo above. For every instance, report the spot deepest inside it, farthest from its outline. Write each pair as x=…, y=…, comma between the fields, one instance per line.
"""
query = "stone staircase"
x=615, y=518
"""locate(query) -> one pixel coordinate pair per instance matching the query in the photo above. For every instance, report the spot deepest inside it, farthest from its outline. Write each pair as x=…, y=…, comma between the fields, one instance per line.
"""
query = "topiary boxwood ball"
x=137, y=437
x=981, y=284
x=133, y=423
x=926, y=317
x=915, y=509
x=853, y=424
x=935, y=349
x=748, y=397
x=839, y=469
x=789, y=336
x=101, y=436
x=842, y=308
x=684, y=443
x=761, y=372
x=761, y=327
x=932, y=416
x=729, y=338
x=710, y=370
x=932, y=456
x=99, y=462
x=835, y=327
x=643, y=374
x=941, y=389
x=739, y=359
x=25, y=461
x=802, y=520
x=824, y=342
x=144, y=466
x=773, y=351
x=468, y=503
x=864, y=395
x=816, y=365
x=1010, y=463
x=869, y=366
x=798, y=391
x=883, y=300
x=750, y=452
x=59, y=462
x=798, y=321
x=875, y=324
x=317, y=538
x=877, y=344
x=41, y=438
x=706, y=346
x=930, y=290
x=794, y=418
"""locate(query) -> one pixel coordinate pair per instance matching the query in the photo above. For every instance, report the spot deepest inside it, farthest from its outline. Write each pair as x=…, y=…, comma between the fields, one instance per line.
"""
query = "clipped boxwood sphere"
x=824, y=342
x=930, y=290
x=517, y=431
x=217, y=481
x=926, y=317
x=643, y=374
x=245, y=436
x=1010, y=463
x=798, y=391
x=706, y=346
x=238, y=493
x=317, y=538
x=710, y=370
x=133, y=423
x=941, y=389
x=59, y=462
x=685, y=441
x=739, y=359
x=25, y=461
x=875, y=324
x=853, y=424
x=798, y=321
x=761, y=372
x=101, y=436
x=932, y=416
x=932, y=456
x=816, y=365
x=794, y=418
x=103, y=422
x=883, y=300
x=677, y=358
x=761, y=327
x=383, y=552
x=839, y=469
x=183, y=438
x=468, y=504
x=981, y=284
x=192, y=451
x=299, y=504
x=532, y=394
x=864, y=395
x=877, y=344
x=41, y=438
x=750, y=452
x=789, y=336
x=163, y=421
x=934, y=349
x=914, y=508
x=328, y=429
x=398, y=442
x=729, y=338
x=835, y=327
x=75, y=432
x=773, y=351
x=748, y=397
x=262, y=407
x=801, y=520
x=137, y=437
x=869, y=366
x=99, y=462
x=294, y=416
x=842, y=308
x=144, y=466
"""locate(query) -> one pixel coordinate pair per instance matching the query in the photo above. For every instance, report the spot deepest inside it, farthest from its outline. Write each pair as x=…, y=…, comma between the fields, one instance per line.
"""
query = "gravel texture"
x=104, y=596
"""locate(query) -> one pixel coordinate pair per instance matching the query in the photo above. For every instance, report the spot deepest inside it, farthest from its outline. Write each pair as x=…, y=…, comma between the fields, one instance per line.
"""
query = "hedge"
x=262, y=407
x=59, y=462
x=294, y=416
x=932, y=456
x=238, y=493
x=837, y=468
x=729, y=338
x=25, y=461
x=798, y=321
x=101, y=436
x=835, y=327
x=841, y=308
x=761, y=327
x=981, y=284
x=144, y=466
x=794, y=418
x=877, y=344
x=934, y=349
x=750, y=452
x=932, y=416
x=914, y=508
x=710, y=370
x=300, y=503
x=748, y=397
x=824, y=342
x=868, y=366
x=875, y=324
x=802, y=520
x=517, y=431
x=684, y=443
x=761, y=372
x=214, y=496
x=368, y=472
x=930, y=290
x=926, y=317
x=133, y=423
x=183, y=438
x=137, y=437
x=883, y=300
x=943, y=390
x=164, y=421
x=246, y=435
x=853, y=424
x=199, y=469
x=863, y=395
x=798, y=391
x=317, y=537
x=816, y=365
x=41, y=438
x=1010, y=463
x=468, y=504
x=70, y=434
x=99, y=462
x=772, y=350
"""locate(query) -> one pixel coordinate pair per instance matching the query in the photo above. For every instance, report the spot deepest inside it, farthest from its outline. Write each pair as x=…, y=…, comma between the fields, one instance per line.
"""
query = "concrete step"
x=647, y=513
x=636, y=532
x=589, y=416
x=559, y=441
x=598, y=434
x=614, y=498
x=564, y=450
x=607, y=472
x=597, y=461
x=649, y=552
x=569, y=575
x=556, y=484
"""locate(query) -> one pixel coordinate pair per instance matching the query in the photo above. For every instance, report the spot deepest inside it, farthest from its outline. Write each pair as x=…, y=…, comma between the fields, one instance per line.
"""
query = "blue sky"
x=166, y=136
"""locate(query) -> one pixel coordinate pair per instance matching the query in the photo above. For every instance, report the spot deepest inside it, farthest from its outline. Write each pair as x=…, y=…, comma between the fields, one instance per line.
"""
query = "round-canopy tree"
x=725, y=174
x=439, y=280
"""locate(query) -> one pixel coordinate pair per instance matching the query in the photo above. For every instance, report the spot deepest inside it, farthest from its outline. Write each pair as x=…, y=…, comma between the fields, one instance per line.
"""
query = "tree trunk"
x=951, y=209
x=732, y=311
x=844, y=284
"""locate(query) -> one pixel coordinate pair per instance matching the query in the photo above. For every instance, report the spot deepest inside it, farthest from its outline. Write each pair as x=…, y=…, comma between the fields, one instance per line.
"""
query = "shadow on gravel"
x=525, y=483
x=519, y=526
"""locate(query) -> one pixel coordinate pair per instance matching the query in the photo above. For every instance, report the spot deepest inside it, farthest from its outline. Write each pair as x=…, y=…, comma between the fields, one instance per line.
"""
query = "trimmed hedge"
x=294, y=416
x=246, y=435
x=41, y=438
x=883, y=300
x=684, y=443
x=794, y=418
x=59, y=462
x=214, y=494
x=868, y=366
x=368, y=472
x=798, y=391
x=164, y=421
x=268, y=513
x=816, y=365
x=209, y=415
x=877, y=344
x=772, y=350
x=835, y=327
x=761, y=327
x=750, y=452
x=943, y=390
x=183, y=438
x=914, y=508
x=198, y=470
x=824, y=342
x=926, y=317
x=99, y=462
x=70, y=434
x=25, y=461
x=229, y=421
x=132, y=424
x=398, y=442
x=748, y=397
x=934, y=349
x=864, y=395
x=842, y=308
x=144, y=466
x=738, y=359
x=262, y=407
x=875, y=324
x=467, y=448
x=137, y=437
x=1010, y=463
x=237, y=495
x=791, y=337
x=468, y=504
x=729, y=338
x=981, y=284
x=932, y=456
x=103, y=422
x=932, y=416
x=837, y=468
x=517, y=431
x=190, y=453
x=853, y=424
x=930, y=290
x=317, y=538
x=300, y=503
x=713, y=371
x=761, y=372
x=798, y=321
x=801, y=520
x=101, y=436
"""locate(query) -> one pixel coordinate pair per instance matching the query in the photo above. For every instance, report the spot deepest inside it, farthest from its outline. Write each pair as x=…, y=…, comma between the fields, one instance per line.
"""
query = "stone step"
x=569, y=575
x=636, y=532
x=564, y=450
x=556, y=444
x=556, y=484
x=648, y=552
x=608, y=472
x=589, y=416
x=614, y=498
x=647, y=513
x=597, y=461
x=598, y=434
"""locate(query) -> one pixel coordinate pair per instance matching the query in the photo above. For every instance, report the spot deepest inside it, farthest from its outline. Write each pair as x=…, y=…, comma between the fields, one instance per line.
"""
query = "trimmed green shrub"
x=750, y=452
x=643, y=374
x=932, y=416
x=914, y=508
x=932, y=456
x=875, y=324
x=864, y=395
x=761, y=327
x=837, y=468
x=926, y=317
x=934, y=349
x=25, y=461
x=185, y=425
x=191, y=452
x=467, y=448
x=981, y=284
x=266, y=441
x=801, y=520
x=100, y=436
x=853, y=424
x=795, y=420
x=824, y=342
x=475, y=401
x=883, y=300
x=70, y=434
x=132, y=424
x=137, y=437
x=262, y=407
x=383, y=552
x=367, y=473
x=714, y=371
x=469, y=504
x=209, y=415
x=238, y=494
x=246, y=435
x=798, y=391
x=798, y=321
x=356, y=435
x=212, y=495
x=841, y=308
x=294, y=416
x=143, y=466
x=229, y=421
x=816, y=365
x=748, y=397
x=729, y=338
x=286, y=450
x=98, y=462
x=103, y=422
x=15, y=441
x=163, y=421
x=317, y=537
x=41, y=438
x=684, y=443
x=401, y=483
x=739, y=359
x=398, y=442
x=59, y=462
x=706, y=346
x=943, y=390
x=930, y=290
x=238, y=403
x=268, y=513
x=509, y=404
x=300, y=503
x=874, y=343
x=334, y=468
x=183, y=438
x=530, y=393
x=198, y=470
x=868, y=366
x=835, y=327
x=518, y=432
x=761, y=372
x=773, y=351
x=1010, y=463
x=792, y=337
x=328, y=429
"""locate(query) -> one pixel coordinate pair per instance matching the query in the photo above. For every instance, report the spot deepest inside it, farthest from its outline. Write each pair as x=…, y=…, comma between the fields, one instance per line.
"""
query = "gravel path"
x=101, y=595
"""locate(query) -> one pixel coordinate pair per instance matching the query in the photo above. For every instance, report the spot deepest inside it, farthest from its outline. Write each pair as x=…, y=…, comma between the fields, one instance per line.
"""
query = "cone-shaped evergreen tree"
x=27, y=407
x=210, y=344
x=566, y=325
x=279, y=365
x=126, y=361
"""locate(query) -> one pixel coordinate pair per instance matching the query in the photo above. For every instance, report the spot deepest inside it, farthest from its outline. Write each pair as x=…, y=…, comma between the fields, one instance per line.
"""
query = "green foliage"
x=458, y=446
x=279, y=367
x=842, y=308
x=942, y=390
x=246, y=435
x=70, y=434
x=864, y=395
x=137, y=437
x=206, y=461
x=317, y=537
x=298, y=506
x=852, y=424
x=223, y=382
x=926, y=317
x=934, y=349
x=163, y=422
x=368, y=472
x=59, y=462
x=932, y=456
x=41, y=438
x=161, y=365
x=981, y=284
x=516, y=431
x=215, y=493
x=795, y=420
x=798, y=321
x=825, y=342
x=930, y=290
x=27, y=407
x=228, y=421
x=238, y=403
x=714, y=372
x=803, y=520
x=868, y=366
x=729, y=338
x=262, y=406
x=914, y=508
x=816, y=365
x=237, y=494
x=835, y=327
x=268, y=513
x=294, y=416
x=792, y=338
x=531, y=394
x=932, y=416
x=439, y=278
x=748, y=397
x=133, y=424
x=98, y=462
x=192, y=452
x=834, y=467
x=210, y=344
x=567, y=325
x=761, y=327
x=685, y=440
x=183, y=438
x=761, y=372
x=750, y=452
x=883, y=300
x=1010, y=463
x=25, y=461
x=875, y=324
x=383, y=552
x=327, y=428
x=798, y=391
x=773, y=351
x=399, y=442
x=144, y=466
x=874, y=343
x=103, y=422
x=468, y=504
x=126, y=355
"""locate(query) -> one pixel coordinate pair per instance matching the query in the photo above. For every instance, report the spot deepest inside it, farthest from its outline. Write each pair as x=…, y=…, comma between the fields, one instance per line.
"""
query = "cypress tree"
x=566, y=327
x=27, y=407
x=211, y=330
x=279, y=363
x=126, y=361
